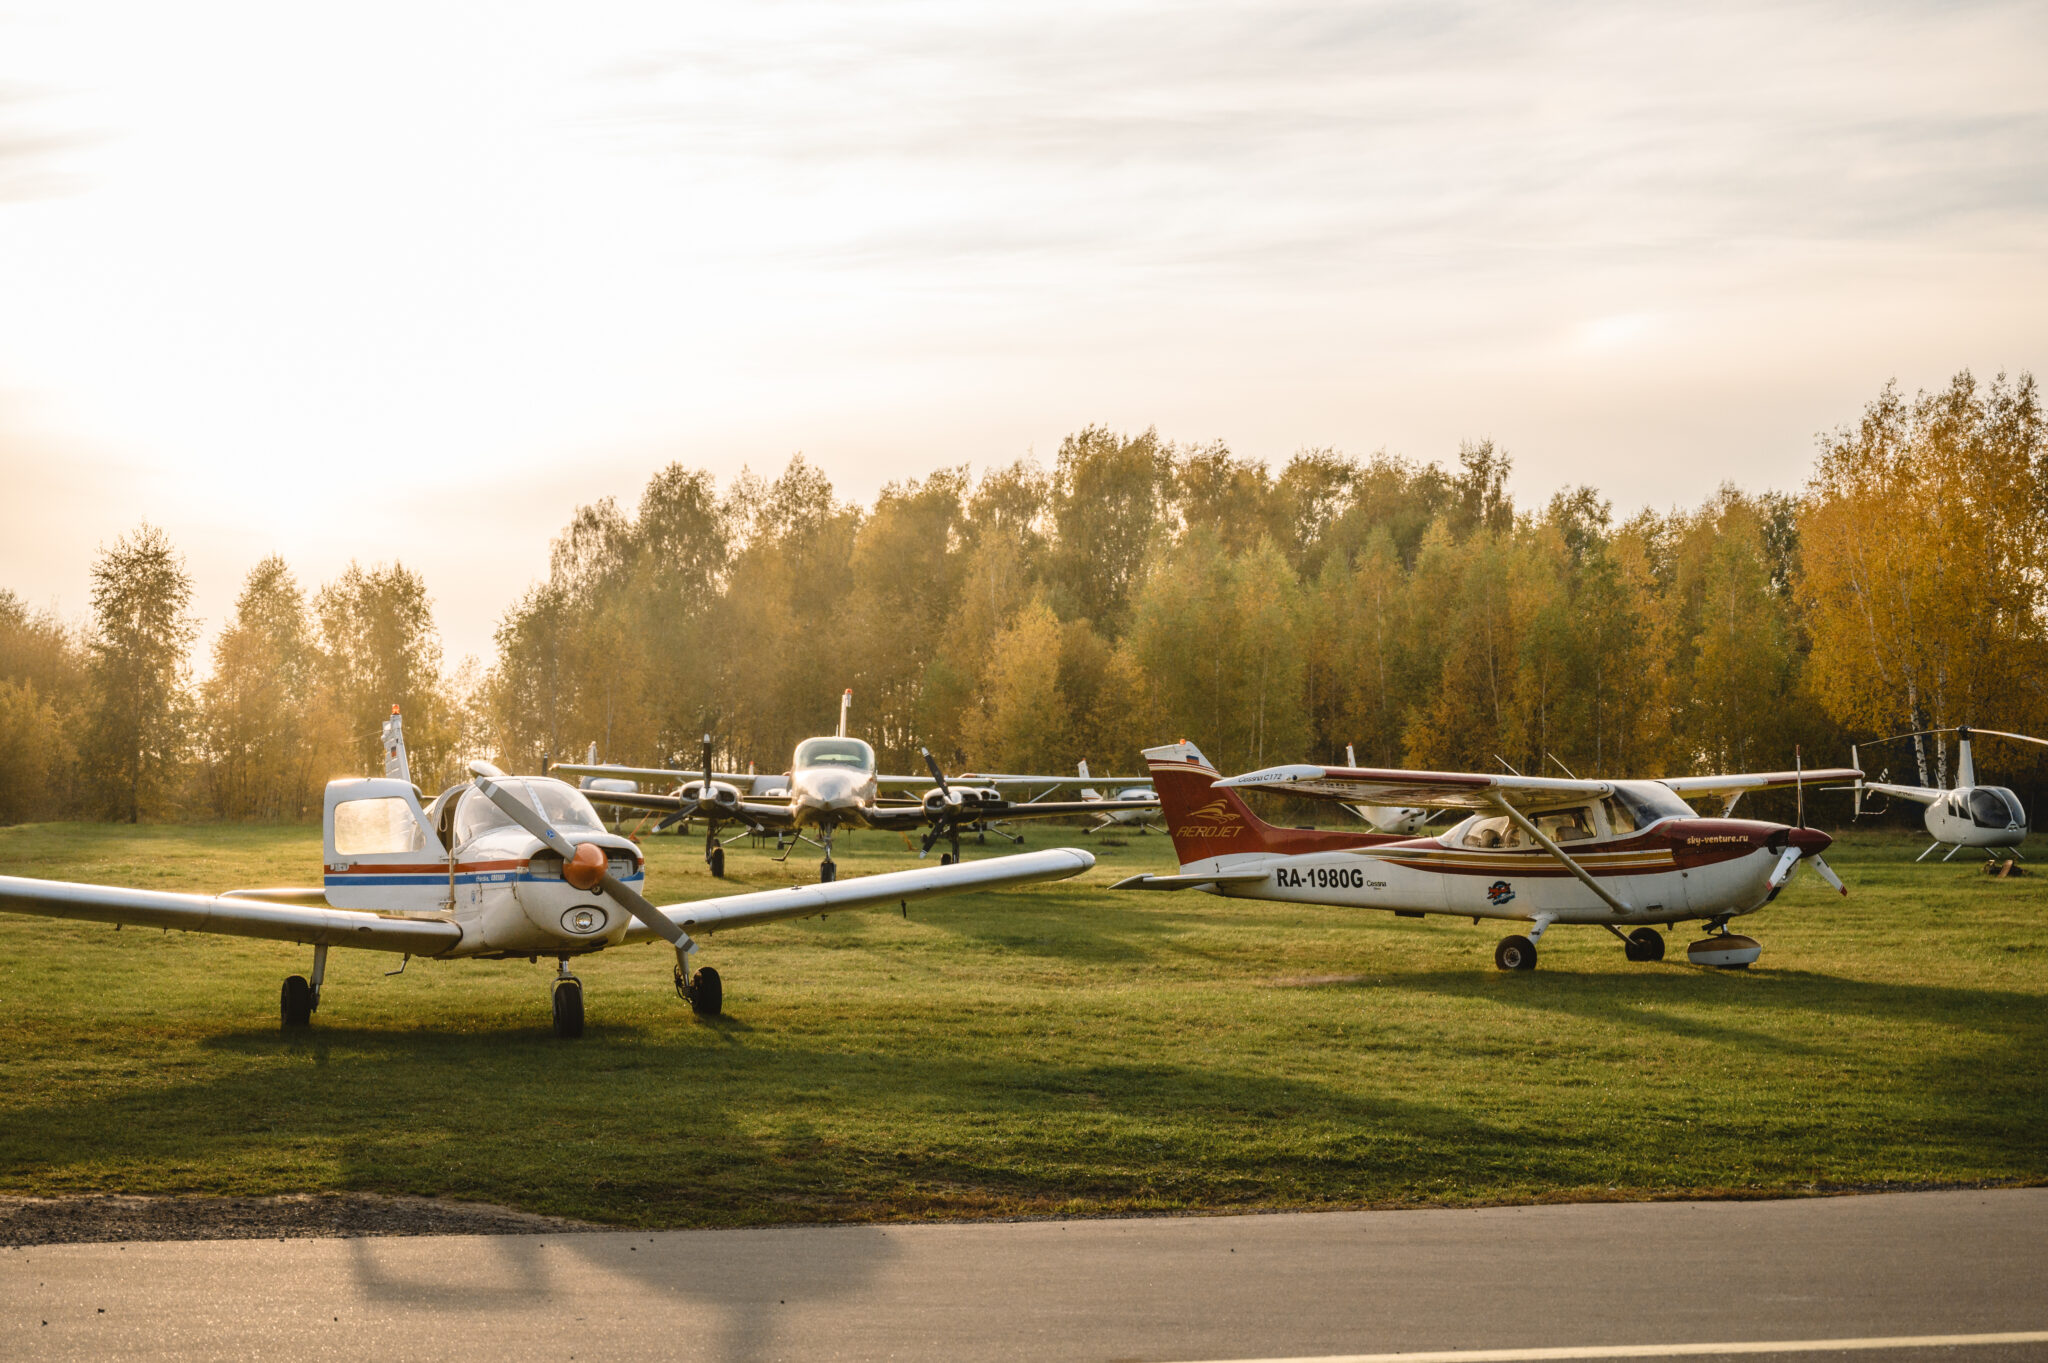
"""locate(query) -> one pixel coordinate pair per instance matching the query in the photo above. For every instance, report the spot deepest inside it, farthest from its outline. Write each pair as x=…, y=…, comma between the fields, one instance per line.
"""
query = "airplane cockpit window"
x=850, y=753
x=1494, y=835
x=559, y=804
x=1619, y=820
x=368, y=827
x=1650, y=801
x=1566, y=825
x=1994, y=807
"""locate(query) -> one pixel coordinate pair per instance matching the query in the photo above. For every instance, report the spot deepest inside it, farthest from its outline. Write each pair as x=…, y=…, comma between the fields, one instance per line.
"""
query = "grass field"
x=1055, y=1049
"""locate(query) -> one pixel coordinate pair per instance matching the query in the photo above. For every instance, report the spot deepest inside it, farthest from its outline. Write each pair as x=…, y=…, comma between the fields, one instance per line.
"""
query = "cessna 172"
x=1619, y=854
x=495, y=867
x=1143, y=799
x=1967, y=815
x=832, y=784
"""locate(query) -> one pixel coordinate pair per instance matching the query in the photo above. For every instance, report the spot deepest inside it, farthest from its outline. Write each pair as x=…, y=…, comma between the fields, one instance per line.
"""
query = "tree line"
x=1133, y=592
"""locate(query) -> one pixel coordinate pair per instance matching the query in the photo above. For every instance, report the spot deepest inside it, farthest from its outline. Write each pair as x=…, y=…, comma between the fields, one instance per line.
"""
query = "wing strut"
x=1522, y=821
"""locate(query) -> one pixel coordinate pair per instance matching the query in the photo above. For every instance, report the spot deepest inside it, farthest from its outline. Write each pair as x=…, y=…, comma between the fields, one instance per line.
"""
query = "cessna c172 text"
x=832, y=784
x=1624, y=855
x=495, y=867
x=1968, y=815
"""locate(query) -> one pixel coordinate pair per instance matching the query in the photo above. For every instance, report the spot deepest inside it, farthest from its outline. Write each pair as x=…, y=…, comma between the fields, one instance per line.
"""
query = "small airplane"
x=1144, y=802
x=832, y=784
x=1967, y=814
x=1542, y=850
x=495, y=867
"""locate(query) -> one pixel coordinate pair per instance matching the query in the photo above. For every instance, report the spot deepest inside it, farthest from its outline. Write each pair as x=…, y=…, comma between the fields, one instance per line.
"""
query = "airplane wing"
x=661, y=776
x=893, y=887
x=1760, y=780
x=746, y=811
x=1052, y=809
x=234, y=916
x=1923, y=795
x=1423, y=789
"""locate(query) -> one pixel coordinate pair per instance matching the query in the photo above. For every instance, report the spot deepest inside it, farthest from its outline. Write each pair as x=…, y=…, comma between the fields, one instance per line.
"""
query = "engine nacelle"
x=720, y=793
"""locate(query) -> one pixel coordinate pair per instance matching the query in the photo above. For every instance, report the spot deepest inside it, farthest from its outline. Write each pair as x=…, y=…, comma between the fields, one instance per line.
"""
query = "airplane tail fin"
x=1203, y=821
x=845, y=704
x=395, y=766
x=1087, y=792
x=1966, y=770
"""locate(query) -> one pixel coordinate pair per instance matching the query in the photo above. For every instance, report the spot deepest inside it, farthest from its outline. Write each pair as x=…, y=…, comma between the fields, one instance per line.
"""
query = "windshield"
x=1995, y=807
x=835, y=752
x=1648, y=801
x=559, y=804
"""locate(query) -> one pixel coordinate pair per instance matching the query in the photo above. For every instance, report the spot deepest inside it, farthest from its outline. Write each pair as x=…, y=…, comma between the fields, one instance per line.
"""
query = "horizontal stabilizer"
x=1190, y=882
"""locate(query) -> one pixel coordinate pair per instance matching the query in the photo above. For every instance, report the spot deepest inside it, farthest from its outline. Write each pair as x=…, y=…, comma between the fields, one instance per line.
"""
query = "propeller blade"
x=529, y=818
x=937, y=774
x=933, y=834
x=1827, y=873
x=1783, y=870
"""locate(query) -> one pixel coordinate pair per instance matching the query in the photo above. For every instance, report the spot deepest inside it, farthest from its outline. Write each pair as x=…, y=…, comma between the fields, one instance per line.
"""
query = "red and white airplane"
x=1623, y=855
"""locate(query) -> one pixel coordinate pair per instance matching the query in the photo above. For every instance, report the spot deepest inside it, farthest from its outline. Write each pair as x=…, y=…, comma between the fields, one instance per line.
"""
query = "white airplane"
x=1966, y=815
x=832, y=784
x=495, y=867
x=1144, y=802
x=1541, y=850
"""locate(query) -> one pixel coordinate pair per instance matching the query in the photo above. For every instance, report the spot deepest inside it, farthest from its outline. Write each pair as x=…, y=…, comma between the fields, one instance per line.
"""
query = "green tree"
x=256, y=709
x=379, y=648
x=136, y=734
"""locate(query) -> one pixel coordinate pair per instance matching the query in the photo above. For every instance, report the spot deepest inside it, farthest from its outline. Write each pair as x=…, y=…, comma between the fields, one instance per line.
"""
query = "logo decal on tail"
x=1213, y=820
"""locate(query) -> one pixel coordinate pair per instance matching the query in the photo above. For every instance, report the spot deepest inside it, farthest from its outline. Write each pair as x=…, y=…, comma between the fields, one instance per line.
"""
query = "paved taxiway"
x=1910, y=1266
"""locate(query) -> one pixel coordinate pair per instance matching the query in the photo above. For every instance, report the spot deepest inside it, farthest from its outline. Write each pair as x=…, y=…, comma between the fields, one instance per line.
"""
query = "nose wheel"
x=1515, y=953
x=568, y=1002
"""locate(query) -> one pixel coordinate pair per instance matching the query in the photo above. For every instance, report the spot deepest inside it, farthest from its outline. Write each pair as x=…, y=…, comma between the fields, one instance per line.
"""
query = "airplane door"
x=380, y=852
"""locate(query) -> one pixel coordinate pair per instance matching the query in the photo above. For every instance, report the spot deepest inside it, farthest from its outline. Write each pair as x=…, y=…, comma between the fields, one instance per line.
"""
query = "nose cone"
x=1811, y=841
x=834, y=789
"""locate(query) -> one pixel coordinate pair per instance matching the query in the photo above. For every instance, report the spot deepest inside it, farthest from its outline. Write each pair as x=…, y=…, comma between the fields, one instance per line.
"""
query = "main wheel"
x=945, y=858
x=717, y=860
x=1515, y=953
x=568, y=1009
x=295, y=1002
x=827, y=872
x=1645, y=944
x=707, y=995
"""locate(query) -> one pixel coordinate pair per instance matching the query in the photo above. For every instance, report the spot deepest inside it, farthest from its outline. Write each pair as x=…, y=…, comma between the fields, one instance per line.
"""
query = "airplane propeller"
x=1788, y=861
x=584, y=865
x=946, y=820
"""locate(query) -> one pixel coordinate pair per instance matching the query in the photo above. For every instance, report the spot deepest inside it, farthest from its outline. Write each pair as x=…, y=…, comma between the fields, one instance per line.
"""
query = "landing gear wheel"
x=827, y=872
x=717, y=860
x=295, y=1002
x=945, y=858
x=707, y=995
x=1515, y=953
x=1644, y=944
x=568, y=1009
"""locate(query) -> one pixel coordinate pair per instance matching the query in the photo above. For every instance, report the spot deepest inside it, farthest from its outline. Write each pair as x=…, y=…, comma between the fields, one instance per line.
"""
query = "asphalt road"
x=1903, y=1266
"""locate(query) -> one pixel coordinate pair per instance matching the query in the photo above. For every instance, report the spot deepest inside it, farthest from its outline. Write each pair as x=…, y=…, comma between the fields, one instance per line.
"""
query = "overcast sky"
x=410, y=281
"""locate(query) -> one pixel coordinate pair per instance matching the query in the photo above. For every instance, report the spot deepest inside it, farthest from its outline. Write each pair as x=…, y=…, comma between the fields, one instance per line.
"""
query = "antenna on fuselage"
x=845, y=704
x=1505, y=763
x=1799, y=782
x=1561, y=766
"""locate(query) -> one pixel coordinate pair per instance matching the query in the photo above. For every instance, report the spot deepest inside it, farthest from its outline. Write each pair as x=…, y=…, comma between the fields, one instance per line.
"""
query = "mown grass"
x=1055, y=1049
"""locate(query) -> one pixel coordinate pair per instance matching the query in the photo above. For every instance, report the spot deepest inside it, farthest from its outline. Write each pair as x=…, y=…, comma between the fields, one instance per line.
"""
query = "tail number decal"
x=1319, y=878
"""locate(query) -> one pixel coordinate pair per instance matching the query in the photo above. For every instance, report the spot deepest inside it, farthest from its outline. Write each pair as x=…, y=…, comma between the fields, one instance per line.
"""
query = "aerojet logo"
x=1213, y=820
x=1500, y=892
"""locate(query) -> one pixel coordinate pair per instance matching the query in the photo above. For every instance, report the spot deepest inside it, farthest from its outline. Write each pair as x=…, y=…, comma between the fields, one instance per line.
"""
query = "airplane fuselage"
x=1676, y=870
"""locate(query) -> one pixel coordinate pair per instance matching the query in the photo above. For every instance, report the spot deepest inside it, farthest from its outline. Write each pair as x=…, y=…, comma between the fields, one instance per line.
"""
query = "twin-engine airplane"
x=1618, y=854
x=495, y=867
x=1967, y=815
x=832, y=784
